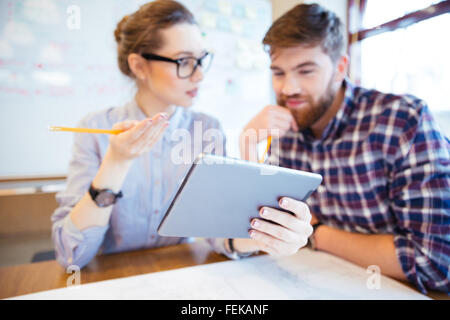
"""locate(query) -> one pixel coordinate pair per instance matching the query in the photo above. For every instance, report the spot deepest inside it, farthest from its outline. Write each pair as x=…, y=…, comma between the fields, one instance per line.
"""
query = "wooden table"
x=41, y=276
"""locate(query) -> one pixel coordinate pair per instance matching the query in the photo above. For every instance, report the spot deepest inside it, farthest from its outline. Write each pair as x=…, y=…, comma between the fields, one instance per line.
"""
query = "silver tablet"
x=220, y=196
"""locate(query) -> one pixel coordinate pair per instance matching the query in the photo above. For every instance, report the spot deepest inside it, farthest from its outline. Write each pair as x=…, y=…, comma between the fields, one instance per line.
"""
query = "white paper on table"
x=305, y=275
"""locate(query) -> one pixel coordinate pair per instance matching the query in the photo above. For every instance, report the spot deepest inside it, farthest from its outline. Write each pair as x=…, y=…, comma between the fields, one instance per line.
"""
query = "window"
x=401, y=49
x=378, y=12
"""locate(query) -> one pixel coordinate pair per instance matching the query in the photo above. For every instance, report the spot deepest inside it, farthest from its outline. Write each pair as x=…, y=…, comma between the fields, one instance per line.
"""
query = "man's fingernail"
x=164, y=115
x=264, y=212
x=284, y=202
x=251, y=233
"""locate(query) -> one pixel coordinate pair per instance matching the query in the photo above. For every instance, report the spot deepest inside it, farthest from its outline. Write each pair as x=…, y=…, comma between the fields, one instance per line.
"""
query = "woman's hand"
x=138, y=137
x=280, y=233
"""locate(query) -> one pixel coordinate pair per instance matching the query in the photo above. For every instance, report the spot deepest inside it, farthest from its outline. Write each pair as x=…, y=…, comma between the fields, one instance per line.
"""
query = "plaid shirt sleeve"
x=420, y=197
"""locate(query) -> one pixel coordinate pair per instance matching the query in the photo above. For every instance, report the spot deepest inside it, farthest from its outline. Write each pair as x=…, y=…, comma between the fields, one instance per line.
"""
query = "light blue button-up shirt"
x=148, y=189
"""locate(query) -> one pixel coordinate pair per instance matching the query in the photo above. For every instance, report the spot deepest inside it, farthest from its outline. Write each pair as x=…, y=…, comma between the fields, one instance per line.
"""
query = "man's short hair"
x=309, y=25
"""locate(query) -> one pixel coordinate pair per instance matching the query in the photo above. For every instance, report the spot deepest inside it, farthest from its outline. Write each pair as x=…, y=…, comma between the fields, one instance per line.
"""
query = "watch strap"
x=315, y=226
x=237, y=253
x=94, y=192
x=311, y=240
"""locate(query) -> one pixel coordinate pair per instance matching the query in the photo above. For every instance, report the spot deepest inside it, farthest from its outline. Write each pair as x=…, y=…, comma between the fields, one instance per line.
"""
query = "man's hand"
x=271, y=121
x=272, y=118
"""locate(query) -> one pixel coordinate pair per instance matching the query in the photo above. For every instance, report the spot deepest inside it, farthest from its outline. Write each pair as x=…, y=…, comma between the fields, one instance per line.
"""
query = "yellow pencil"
x=161, y=115
x=84, y=130
x=269, y=141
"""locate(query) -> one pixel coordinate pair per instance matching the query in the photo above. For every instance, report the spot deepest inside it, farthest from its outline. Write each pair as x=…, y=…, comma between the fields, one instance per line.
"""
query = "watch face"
x=105, y=199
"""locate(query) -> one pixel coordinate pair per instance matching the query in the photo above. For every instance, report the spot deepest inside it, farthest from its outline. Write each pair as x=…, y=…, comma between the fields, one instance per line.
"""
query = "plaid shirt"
x=385, y=168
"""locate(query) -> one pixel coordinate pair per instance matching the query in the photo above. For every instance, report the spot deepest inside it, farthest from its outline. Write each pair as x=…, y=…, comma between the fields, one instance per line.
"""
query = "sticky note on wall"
x=208, y=20
x=250, y=12
x=225, y=7
x=237, y=26
x=223, y=23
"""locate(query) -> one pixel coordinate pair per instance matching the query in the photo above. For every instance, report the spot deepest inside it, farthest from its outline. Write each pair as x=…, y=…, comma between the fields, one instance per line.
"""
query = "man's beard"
x=309, y=114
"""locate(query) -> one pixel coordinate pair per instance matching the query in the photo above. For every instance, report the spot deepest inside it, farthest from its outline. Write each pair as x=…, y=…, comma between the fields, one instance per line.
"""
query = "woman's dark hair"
x=140, y=31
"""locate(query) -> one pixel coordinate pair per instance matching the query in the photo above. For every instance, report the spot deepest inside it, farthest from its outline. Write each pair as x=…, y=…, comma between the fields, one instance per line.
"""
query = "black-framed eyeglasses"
x=185, y=66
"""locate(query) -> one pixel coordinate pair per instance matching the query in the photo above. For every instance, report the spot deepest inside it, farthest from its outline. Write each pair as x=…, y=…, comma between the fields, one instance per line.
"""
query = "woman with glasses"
x=119, y=187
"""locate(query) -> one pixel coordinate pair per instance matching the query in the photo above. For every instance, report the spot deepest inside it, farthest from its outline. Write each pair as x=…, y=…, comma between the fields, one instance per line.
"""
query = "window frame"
x=356, y=33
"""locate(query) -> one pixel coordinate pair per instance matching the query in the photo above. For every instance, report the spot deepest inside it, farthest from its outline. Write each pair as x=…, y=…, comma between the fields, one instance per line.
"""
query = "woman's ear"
x=137, y=66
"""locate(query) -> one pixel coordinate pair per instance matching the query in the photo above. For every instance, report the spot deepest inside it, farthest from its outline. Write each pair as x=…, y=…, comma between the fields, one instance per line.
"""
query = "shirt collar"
x=341, y=118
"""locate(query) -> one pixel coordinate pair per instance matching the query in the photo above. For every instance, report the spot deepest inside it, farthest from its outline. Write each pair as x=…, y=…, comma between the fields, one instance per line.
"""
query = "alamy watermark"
x=374, y=280
x=74, y=280
x=73, y=21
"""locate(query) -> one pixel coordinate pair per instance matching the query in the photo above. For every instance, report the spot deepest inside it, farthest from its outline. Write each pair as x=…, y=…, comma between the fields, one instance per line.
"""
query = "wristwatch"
x=311, y=240
x=104, y=197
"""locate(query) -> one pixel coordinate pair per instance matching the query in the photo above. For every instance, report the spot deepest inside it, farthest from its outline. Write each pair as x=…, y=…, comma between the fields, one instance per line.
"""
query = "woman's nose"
x=197, y=76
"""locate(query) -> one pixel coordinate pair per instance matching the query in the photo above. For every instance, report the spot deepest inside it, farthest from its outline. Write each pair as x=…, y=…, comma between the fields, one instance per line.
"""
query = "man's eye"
x=278, y=74
x=306, y=71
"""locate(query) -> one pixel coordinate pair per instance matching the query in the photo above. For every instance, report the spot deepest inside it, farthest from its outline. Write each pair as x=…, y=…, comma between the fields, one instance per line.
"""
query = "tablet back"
x=219, y=196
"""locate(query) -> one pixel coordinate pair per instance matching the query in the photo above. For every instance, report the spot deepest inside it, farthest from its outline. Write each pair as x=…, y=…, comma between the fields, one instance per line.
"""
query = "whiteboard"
x=54, y=69
x=306, y=275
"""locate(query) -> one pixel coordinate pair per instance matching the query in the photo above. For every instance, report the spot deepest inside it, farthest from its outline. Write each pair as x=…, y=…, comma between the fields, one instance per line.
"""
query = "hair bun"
x=119, y=28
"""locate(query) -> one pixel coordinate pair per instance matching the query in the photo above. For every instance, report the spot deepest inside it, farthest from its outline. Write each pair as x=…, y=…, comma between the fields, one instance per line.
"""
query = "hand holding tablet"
x=279, y=232
x=223, y=198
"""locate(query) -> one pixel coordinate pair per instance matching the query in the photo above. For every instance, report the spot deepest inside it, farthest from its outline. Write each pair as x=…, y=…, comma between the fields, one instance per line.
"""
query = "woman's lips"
x=192, y=93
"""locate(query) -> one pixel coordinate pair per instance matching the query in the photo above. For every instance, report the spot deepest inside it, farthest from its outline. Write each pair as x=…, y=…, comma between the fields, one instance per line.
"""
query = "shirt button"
x=156, y=211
